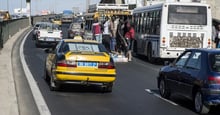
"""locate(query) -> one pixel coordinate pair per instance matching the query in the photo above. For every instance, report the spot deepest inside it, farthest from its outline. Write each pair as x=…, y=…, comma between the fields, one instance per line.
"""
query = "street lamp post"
x=29, y=8
x=21, y=9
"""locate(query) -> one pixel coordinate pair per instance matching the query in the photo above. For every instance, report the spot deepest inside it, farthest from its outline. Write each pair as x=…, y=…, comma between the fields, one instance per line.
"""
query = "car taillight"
x=107, y=65
x=66, y=63
x=213, y=80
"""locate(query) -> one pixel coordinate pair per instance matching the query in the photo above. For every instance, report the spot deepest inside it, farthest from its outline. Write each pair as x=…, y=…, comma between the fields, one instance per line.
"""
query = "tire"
x=37, y=44
x=108, y=87
x=54, y=86
x=46, y=76
x=149, y=54
x=163, y=89
x=199, y=105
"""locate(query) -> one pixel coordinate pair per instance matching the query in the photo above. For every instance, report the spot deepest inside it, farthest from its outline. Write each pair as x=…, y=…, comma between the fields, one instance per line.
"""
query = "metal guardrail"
x=11, y=27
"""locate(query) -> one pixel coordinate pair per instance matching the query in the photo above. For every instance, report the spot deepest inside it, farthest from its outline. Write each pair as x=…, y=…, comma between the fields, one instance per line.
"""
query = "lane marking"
x=155, y=94
x=39, y=100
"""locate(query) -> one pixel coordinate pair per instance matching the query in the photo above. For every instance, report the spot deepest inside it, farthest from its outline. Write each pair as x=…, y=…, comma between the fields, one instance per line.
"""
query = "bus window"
x=191, y=15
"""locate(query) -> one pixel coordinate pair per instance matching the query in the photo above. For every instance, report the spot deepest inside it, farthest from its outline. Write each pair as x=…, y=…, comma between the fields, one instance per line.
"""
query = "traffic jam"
x=156, y=59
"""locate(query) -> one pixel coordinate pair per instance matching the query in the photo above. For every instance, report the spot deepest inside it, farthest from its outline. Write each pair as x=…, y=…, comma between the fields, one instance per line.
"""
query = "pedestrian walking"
x=129, y=35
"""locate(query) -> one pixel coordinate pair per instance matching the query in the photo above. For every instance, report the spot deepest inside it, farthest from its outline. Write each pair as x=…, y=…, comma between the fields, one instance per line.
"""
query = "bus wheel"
x=149, y=54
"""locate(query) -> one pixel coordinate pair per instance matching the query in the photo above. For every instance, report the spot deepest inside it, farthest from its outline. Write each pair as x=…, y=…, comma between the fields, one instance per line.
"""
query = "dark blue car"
x=195, y=74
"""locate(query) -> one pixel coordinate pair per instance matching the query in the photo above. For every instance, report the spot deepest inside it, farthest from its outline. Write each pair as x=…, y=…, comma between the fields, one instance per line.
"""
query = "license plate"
x=87, y=64
x=50, y=39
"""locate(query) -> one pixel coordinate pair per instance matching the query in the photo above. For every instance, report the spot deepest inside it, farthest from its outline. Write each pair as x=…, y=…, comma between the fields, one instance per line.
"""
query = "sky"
x=38, y=5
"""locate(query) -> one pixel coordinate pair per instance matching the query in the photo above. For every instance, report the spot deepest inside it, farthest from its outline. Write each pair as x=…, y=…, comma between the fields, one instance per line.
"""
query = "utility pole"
x=28, y=6
x=87, y=5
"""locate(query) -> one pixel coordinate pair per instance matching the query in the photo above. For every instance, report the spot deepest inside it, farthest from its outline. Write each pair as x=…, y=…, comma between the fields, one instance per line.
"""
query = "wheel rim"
x=162, y=87
x=198, y=101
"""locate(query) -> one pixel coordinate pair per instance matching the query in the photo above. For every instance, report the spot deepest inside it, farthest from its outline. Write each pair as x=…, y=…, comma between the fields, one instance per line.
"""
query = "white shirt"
x=106, y=27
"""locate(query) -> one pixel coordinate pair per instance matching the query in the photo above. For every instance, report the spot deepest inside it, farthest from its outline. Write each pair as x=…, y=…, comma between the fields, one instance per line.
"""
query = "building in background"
x=22, y=12
x=215, y=6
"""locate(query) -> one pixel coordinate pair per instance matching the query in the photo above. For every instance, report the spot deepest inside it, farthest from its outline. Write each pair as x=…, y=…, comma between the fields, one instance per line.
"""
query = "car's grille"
x=186, y=40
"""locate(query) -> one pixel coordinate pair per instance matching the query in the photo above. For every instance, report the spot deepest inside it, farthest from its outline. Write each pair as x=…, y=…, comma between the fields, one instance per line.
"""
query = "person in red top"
x=96, y=31
x=129, y=35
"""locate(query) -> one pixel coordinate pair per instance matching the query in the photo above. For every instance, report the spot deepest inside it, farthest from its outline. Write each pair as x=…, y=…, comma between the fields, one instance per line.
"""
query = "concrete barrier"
x=11, y=27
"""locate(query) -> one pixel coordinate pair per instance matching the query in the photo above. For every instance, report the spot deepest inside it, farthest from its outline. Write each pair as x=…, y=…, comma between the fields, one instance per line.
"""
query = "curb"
x=8, y=96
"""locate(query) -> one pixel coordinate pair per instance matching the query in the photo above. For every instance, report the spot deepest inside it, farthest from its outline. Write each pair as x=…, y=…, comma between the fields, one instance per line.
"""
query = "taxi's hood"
x=88, y=56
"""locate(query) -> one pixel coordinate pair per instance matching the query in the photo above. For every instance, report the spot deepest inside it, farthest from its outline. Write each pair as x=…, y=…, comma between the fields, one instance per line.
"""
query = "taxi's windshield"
x=83, y=47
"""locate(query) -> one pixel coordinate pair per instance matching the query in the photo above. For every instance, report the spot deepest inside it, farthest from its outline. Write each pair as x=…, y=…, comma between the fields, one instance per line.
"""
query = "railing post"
x=1, y=37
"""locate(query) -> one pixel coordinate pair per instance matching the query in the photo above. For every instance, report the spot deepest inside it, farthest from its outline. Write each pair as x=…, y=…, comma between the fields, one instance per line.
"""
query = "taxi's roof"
x=79, y=39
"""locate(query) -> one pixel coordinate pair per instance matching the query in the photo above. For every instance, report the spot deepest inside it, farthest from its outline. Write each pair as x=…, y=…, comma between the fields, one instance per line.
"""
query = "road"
x=134, y=93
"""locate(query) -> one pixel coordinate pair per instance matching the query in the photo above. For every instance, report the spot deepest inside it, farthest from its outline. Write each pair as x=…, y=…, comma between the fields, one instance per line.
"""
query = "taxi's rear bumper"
x=87, y=77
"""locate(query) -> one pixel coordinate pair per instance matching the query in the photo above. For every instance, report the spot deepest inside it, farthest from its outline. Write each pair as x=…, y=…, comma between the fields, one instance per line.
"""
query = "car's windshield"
x=49, y=26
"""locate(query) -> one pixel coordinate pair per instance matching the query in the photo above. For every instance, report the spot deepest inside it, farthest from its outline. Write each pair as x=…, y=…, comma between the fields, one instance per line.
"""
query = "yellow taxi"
x=57, y=21
x=79, y=61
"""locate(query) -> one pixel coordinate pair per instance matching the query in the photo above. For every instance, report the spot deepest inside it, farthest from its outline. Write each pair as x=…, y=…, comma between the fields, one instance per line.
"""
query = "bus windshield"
x=189, y=15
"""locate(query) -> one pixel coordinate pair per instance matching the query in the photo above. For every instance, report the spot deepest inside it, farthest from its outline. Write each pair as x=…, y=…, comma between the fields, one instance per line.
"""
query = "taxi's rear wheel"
x=54, y=86
x=108, y=87
x=46, y=76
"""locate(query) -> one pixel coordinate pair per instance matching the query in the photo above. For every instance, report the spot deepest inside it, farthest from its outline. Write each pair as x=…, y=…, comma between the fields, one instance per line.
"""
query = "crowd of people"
x=115, y=33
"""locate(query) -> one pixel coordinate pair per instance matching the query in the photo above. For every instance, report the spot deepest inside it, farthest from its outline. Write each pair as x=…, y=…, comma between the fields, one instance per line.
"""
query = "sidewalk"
x=8, y=97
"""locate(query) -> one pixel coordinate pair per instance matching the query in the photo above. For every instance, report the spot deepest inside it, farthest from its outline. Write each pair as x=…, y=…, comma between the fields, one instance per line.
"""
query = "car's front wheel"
x=199, y=105
x=163, y=89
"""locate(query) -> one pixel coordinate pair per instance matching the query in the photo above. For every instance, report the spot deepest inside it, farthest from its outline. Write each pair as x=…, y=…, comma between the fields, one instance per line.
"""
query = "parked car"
x=74, y=30
x=79, y=61
x=48, y=33
x=196, y=75
x=57, y=20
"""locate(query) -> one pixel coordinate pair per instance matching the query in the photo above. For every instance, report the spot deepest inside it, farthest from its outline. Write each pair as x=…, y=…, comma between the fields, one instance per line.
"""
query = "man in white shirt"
x=106, y=35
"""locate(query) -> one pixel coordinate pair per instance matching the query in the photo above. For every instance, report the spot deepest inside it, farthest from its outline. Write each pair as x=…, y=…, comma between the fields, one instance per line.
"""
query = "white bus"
x=164, y=31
